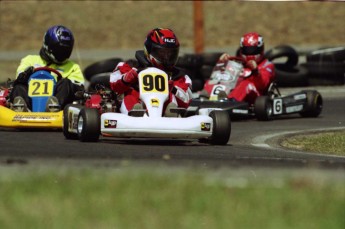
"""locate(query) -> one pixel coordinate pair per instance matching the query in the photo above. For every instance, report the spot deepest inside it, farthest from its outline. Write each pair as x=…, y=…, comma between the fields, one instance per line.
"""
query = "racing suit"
x=72, y=81
x=249, y=88
x=179, y=84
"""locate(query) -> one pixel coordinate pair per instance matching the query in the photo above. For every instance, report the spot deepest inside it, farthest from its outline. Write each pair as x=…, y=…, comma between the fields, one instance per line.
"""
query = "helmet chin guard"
x=252, y=47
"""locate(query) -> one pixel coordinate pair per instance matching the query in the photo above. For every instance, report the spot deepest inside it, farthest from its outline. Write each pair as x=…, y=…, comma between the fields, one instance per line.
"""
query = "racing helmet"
x=252, y=47
x=161, y=48
x=57, y=45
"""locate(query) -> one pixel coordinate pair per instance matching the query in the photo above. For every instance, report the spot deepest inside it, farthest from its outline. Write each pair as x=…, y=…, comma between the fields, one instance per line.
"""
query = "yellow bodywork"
x=10, y=118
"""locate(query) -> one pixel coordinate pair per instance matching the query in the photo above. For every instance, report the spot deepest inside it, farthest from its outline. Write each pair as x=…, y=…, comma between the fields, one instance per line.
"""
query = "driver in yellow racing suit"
x=57, y=47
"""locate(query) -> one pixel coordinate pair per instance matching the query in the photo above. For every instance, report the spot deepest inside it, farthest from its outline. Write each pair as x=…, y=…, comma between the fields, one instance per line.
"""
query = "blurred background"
x=107, y=29
x=113, y=25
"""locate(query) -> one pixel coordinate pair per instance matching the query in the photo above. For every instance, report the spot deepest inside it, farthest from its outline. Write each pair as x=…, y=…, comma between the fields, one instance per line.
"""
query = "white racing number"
x=278, y=106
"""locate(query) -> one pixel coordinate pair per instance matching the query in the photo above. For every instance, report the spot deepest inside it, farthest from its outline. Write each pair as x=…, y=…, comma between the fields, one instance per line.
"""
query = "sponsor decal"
x=205, y=126
x=110, y=123
x=73, y=120
x=154, y=102
x=35, y=118
x=300, y=96
x=169, y=40
x=294, y=109
x=239, y=111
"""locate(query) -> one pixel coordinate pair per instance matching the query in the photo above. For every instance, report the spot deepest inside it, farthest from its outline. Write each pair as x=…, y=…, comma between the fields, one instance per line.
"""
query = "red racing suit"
x=249, y=88
x=179, y=84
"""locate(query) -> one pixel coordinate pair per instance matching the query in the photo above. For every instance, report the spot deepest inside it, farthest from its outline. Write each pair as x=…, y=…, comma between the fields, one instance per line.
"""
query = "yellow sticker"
x=155, y=102
x=41, y=87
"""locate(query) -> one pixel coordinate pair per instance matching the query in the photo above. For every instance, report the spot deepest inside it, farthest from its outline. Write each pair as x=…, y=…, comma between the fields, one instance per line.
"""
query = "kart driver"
x=263, y=74
x=57, y=47
x=161, y=50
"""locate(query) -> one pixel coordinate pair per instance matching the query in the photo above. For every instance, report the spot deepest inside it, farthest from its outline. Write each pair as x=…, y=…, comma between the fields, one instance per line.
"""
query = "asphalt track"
x=252, y=143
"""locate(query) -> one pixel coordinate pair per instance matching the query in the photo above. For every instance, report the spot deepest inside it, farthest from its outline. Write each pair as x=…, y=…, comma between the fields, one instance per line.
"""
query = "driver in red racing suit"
x=161, y=50
x=263, y=73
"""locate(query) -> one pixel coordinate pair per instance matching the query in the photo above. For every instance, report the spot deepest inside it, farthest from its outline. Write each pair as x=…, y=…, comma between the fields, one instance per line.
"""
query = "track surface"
x=252, y=143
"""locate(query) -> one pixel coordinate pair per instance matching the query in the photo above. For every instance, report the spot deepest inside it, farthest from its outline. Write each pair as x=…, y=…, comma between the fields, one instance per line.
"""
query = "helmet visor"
x=251, y=50
x=167, y=56
x=61, y=53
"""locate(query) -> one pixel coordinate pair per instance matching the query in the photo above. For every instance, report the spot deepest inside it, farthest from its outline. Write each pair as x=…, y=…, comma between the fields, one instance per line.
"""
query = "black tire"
x=189, y=61
x=101, y=78
x=263, y=108
x=221, y=128
x=210, y=59
x=107, y=65
x=283, y=51
x=206, y=71
x=332, y=54
x=133, y=63
x=89, y=125
x=197, y=85
x=326, y=73
x=314, y=104
x=296, y=76
x=66, y=120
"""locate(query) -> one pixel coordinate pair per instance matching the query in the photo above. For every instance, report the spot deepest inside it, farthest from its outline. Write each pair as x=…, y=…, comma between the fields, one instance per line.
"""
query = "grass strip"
x=330, y=142
x=137, y=198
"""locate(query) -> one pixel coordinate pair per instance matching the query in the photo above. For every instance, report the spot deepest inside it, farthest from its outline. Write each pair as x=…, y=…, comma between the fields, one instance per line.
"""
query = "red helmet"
x=252, y=47
x=162, y=48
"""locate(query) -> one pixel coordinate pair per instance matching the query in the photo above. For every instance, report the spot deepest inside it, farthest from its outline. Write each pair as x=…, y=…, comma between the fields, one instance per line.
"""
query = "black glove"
x=23, y=77
x=79, y=91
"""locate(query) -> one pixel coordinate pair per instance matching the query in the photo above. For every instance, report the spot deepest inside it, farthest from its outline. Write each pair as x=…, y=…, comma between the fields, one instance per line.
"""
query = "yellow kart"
x=41, y=86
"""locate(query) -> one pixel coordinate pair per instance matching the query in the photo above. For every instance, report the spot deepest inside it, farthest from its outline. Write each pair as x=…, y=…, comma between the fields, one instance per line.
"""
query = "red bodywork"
x=4, y=92
x=94, y=101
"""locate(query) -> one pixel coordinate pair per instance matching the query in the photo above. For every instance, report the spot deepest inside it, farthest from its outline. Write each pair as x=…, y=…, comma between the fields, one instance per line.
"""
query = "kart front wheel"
x=263, y=108
x=313, y=105
x=89, y=125
x=221, y=128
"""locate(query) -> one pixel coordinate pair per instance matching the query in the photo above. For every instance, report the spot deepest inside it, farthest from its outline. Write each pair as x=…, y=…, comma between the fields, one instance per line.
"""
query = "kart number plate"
x=41, y=87
x=278, y=106
x=154, y=82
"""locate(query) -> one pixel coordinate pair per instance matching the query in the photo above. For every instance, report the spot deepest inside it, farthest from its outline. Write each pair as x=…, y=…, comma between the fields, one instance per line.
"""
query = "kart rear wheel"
x=221, y=128
x=283, y=51
x=107, y=65
x=314, y=104
x=67, y=120
x=263, y=108
x=89, y=125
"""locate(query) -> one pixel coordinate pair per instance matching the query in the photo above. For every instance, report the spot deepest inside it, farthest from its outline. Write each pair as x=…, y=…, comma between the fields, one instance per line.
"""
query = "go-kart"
x=41, y=86
x=308, y=103
x=100, y=116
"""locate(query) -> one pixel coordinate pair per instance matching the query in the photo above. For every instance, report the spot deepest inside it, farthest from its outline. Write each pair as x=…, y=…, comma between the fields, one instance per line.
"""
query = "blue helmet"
x=58, y=44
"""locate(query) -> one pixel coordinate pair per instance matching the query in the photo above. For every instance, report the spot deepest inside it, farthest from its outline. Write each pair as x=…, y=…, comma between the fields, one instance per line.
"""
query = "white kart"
x=210, y=125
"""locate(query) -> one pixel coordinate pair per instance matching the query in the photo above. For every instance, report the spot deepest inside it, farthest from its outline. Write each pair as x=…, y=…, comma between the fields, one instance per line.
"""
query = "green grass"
x=332, y=142
x=145, y=198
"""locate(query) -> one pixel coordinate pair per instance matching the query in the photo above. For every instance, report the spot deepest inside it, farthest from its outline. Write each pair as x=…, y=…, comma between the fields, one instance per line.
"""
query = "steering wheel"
x=48, y=69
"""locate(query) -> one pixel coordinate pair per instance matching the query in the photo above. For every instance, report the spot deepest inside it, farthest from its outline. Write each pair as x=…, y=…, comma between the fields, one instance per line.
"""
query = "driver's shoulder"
x=33, y=59
x=266, y=63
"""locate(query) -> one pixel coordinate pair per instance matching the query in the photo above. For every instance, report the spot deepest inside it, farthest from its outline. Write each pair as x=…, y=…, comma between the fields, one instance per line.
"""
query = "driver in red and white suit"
x=263, y=72
x=161, y=50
